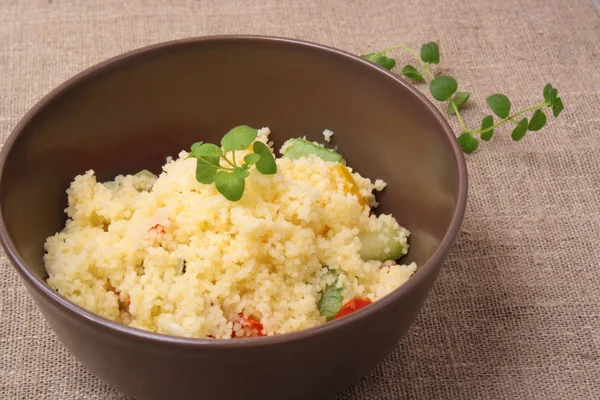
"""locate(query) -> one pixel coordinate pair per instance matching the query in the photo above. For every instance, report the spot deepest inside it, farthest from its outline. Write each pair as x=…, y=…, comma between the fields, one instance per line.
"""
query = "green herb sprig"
x=230, y=179
x=445, y=88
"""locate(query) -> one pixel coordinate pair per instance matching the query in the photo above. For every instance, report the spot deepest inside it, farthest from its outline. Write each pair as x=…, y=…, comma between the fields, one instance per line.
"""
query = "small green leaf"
x=251, y=159
x=370, y=56
x=243, y=172
x=468, y=143
x=547, y=91
x=500, y=105
x=412, y=73
x=430, y=53
x=381, y=60
x=459, y=100
x=557, y=107
x=207, y=157
x=443, y=87
x=266, y=165
x=385, y=62
x=230, y=184
x=196, y=145
x=520, y=130
x=538, y=120
x=487, y=122
x=550, y=95
x=553, y=96
x=205, y=150
x=239, y=138
x=205, y=172
x=330, y=302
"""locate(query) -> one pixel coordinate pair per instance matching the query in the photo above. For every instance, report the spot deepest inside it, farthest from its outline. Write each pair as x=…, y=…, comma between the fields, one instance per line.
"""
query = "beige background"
x=515, y=313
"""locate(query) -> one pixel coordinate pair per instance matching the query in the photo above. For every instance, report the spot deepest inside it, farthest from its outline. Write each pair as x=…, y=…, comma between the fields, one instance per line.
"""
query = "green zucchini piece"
x=147, y=173
x=331, y=301
x=374, y=244
x=303, y=148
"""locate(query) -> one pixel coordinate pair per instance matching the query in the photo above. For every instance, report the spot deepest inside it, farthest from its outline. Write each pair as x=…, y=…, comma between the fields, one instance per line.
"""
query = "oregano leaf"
x=412, y=73
x=557, y=107
x=430, y=53
x=547, y=90
x=538, y=120
x=553, y=96
x=487, y=122
x=459, y=101
x=385, y=62
x=443, y=87
x=467, y=142
x=381, y=60
x=520, y=130
x=370, y=56
x=500, y=105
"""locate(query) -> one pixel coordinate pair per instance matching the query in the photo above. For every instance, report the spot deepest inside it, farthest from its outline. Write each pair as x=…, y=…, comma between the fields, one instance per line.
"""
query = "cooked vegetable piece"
x=331, y=301
x=351, y=186
x=353, y=305
x=147, y=173
x=158, y=228
x=303, y=148
x=254, y=327
x=375, y=244
x=144, y=185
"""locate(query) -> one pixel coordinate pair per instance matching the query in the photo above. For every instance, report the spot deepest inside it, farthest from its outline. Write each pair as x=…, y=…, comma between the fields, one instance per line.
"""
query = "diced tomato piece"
x=158, y=228
x=353, y=305
x=252, y=325
x=371, y=213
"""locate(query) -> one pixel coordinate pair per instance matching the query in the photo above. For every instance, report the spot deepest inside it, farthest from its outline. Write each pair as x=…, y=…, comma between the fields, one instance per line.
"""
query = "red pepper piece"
x=158, y=228
x=252, y=325
x=353, y=305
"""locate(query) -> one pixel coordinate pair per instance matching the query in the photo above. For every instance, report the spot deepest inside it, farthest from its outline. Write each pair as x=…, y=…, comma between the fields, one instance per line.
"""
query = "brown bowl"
x=132, y=111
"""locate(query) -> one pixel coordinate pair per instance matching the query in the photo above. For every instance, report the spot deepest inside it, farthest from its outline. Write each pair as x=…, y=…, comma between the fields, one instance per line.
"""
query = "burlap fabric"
x=515, y=313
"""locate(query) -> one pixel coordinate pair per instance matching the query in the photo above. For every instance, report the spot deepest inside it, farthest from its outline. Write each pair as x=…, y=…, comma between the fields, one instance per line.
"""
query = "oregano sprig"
x=445, y=88
x=213, y=164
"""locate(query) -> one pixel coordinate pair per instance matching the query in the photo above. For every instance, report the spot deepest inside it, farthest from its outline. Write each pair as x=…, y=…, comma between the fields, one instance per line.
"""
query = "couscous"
x=173, y=255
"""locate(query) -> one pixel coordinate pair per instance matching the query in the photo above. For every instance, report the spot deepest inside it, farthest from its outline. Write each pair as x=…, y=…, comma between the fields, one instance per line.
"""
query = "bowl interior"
x=134, y=111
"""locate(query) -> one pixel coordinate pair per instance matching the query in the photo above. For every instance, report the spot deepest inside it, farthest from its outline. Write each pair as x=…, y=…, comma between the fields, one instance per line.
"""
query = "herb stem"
x=426, y=70
x=411, y=51
x=458, y=116
x=233, y=157
x=444, y=89
x=227, y=160
x=509, y=118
